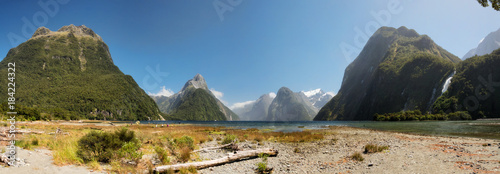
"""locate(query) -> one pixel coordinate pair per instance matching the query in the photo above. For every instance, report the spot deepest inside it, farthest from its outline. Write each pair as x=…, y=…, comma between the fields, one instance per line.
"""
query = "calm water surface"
x=481, y=129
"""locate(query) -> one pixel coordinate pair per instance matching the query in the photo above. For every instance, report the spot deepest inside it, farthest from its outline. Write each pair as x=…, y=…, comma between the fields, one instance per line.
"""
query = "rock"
x=370, y=165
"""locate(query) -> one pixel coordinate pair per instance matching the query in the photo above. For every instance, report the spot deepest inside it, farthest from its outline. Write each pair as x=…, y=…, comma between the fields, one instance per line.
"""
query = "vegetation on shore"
x=137, y=148
x=416, y=115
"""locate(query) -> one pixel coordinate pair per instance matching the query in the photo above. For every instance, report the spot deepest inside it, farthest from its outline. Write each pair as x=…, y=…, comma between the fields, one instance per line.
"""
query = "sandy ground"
x=407, y=154
x=39, y=161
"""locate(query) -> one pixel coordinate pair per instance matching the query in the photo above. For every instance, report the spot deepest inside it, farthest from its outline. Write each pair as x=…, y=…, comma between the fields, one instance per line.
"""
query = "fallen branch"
x=237, y=156
x=216, y=147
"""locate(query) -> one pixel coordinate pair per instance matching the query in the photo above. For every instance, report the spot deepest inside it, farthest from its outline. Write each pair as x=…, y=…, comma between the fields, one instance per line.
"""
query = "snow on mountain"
x=487, y=45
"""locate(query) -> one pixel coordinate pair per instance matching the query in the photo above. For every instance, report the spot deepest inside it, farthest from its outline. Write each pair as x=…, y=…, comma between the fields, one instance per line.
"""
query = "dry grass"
x=357, y=156
x=154, y=140
x=372, y=148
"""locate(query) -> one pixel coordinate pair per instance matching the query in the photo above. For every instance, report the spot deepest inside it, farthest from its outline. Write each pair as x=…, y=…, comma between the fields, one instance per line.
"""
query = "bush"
x=184, y=141
x=130, y=151
x=357, y=156
x=229, y=139
x=262, y=166
x=34, y=142
x=185, y=154
x=162, y=155
x=102, y=146
x=371, y=148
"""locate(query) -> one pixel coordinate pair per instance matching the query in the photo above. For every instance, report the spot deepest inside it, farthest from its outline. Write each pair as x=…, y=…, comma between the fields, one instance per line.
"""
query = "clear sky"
x=245, y=48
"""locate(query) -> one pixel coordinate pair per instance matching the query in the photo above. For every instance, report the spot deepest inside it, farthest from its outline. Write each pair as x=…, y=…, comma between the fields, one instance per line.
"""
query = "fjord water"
x=480, y=128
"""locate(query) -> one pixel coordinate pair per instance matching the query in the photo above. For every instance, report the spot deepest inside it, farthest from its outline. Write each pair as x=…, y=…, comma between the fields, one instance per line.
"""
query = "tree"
x=495, y=4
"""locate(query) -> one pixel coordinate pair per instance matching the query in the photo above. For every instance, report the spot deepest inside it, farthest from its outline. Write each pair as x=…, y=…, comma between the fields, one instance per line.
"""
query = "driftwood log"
x=216, y=147
x=237, y=156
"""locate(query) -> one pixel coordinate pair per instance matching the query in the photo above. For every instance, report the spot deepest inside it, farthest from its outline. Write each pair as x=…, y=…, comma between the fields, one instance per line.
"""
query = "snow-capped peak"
x=312, y=92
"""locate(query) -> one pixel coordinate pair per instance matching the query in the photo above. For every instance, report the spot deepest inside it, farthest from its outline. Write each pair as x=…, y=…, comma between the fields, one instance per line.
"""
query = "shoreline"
x=407, y=153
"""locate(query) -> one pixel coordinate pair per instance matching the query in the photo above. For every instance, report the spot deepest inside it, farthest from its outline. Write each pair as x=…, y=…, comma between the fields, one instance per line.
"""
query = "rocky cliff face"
x=318, y=97
x=256, y=110
x=490, y=43
x=195, y=102
x=398, y=69
x=290, y=106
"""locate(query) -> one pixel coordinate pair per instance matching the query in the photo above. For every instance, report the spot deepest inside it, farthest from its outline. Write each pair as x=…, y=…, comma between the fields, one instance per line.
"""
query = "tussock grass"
x=173, y=144
x=372, y=148
x=357, y=156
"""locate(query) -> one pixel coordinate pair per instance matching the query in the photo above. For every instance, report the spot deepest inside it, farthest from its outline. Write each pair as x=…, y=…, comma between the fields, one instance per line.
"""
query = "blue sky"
x=252, y=48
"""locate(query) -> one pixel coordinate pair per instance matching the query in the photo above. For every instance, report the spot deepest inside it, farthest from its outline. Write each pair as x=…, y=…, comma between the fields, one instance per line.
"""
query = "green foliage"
x=130, y=151
x=495, y=4
x=475, y=88
x=103, y=146
x=198, y=105
x=185, y=141
x=229, y=139
x=65, y=77
x=417, y=115
x=397, y=69
x=162, y=155
x=262, y=166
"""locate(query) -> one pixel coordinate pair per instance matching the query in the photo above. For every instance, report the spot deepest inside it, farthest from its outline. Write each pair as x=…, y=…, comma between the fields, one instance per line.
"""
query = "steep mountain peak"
x=284, y=91
x=78, y=31
x=407, y=32
x=487, y=45
x=391, y=56
x=197, y=82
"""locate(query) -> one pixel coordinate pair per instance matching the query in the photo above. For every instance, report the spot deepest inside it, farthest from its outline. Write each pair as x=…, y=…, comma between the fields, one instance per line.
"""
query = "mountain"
x=194, y=102
x=255, y=110
x=398, y=69
x=290, y=106
x=69, y=74
x=490, y=43
x=318, y=97
x=475, y=88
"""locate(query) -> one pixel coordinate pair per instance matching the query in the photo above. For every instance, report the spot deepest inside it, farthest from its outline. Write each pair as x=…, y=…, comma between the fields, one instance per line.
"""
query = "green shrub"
x=262, y=166
x=130, y=151
x=34, y=142
x=184, y=141
x=162, y=155
x=229, y=139
x=103, y=146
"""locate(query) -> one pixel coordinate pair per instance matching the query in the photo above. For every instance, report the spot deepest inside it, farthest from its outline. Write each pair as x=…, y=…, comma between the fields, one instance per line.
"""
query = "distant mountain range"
x=397, y=70
x=69, y=74
x=272, y=107
x=490, y=43
x=194, y=102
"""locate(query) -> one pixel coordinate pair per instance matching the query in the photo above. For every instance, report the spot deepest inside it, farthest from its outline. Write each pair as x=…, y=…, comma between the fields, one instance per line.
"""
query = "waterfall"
x=447, y=82
x=445, y=86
